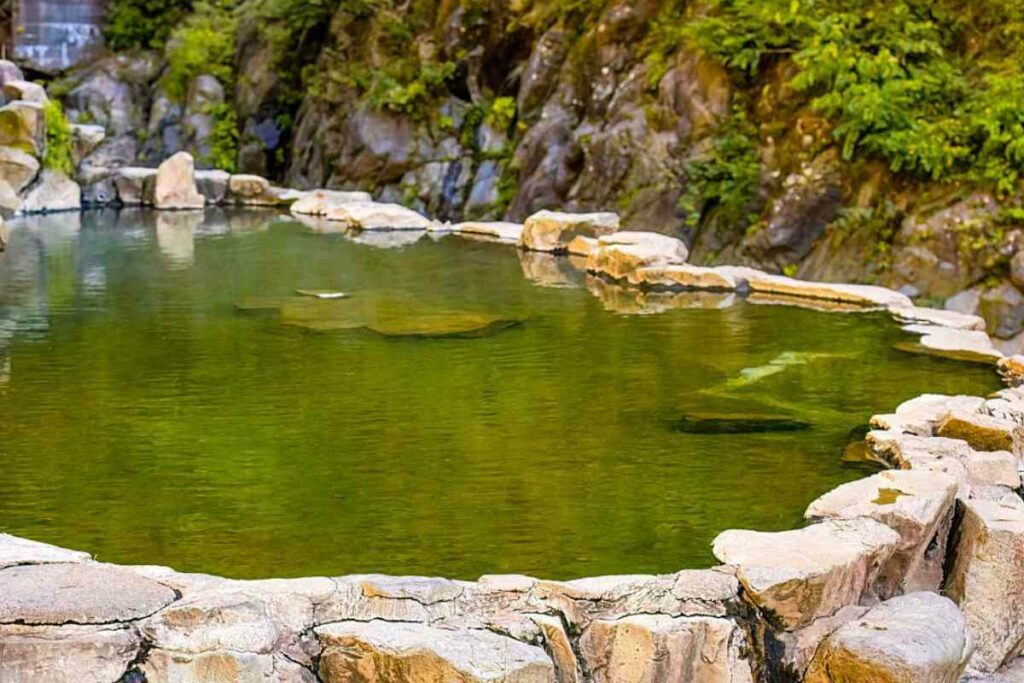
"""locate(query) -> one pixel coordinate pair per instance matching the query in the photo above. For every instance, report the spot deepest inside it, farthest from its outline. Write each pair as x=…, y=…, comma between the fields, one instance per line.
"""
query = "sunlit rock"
x=934, y=316
x=795, y=577
x=863, y=295
x=982, y=432
x=85, y=138
x=319, y=202
x=175, y=186
x=619, y=254
x=554, y=230
x=52, y=191
x=916, y=637
x=225, y=666
x=378, y=650
x=918, y=505
x=921, y=415
x=496, y=230
x=1012, y=369
x=66, y=654
x=987, y=577
x=971, y=345
x=685, y=277
x=252, y=190
x=376, y=216
x=17, y=168
x=14, y=550
x=25, y=90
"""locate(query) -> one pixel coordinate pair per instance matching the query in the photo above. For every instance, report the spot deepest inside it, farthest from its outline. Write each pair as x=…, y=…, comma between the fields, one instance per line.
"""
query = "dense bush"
x=142, y=23
x=58, y=153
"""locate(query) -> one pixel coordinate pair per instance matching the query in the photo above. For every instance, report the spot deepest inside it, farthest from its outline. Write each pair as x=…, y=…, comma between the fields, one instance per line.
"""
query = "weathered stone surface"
x=376, y=216
x=4, y=235
x=582, y=245
x=66, y=654
x=135, y=186
x=222, y=667
x=952, y=343
x=394, y=598
x=319, y=202
x=559, y=647
x=24, y=90
x=799, y=647
x=987, y=578
x=22, y=126
x=798, y=576
x=53, y=191
x=378, y=650
x=17, y=168
x=621, y=253
x=934, y=316
x=1003, y=307
x=664, y=649
x=9, y=71
x=77, y=593
x=251, y=190
x=921, y=415
x=14, y=551
x=918, y=505
x=862, y=295
x=86, y=138
x=213, y=185
x=916, y=637
x=496, y=230
x=553, y=230
x=1012, y=369
x=175, y=185
x=982, y=432
x=10, y=202
x=685, y=277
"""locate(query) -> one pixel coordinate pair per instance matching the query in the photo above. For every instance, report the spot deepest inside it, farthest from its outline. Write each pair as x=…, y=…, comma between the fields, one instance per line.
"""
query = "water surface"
x=147, y=419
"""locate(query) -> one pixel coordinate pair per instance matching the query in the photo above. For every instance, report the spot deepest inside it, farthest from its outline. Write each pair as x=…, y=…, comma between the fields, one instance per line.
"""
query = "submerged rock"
x=738, y=425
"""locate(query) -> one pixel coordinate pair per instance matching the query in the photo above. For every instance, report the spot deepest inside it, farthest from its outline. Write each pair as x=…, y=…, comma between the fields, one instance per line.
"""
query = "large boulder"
x=135, y=185
x=53, y=191
x=917, y=637
x=657, y=648
x=25, y=90
x=620, y=254
x=17, y=168
x=553, y=230
x=918, y=505
x=175, y=186
x=982, y=432
x=795, y=577
x=86, y=138
x=365, y=652
x=66, y=654
x=319, y=202
x=376, y=216
x=22, y=126
x=987, y=577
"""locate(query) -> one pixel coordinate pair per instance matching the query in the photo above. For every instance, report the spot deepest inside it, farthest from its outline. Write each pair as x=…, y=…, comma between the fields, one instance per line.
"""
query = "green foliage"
x=58, y=155
x=893, y=77
x=142, y=23
x=224, y=138
x=726, y=178
x=203, y=44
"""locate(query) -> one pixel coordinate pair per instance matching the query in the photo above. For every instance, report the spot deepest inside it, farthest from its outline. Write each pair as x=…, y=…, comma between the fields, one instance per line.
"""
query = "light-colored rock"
x=175, y=185
x=916, y=637
x=582, y=245
x=25, y=90
x=496, y=230
x=86, y=138
x=663, y=649
x=9, y=71
x=376, y=216
x=862, y=295
x=685, y=277
x=77, y=593
x=213, y=185
x=918, y=505
x=933, y=316
x=798, y=576
x=554, y=230
x=921, y=415
x=135, y=186
x=619, y=254
x=981, y=432
x=319, y=202
x=559, y=647
x=5, y=236
x=10, y=202
x=800, y=646
x=987, y=578
x=66, y=654
x=970, y=345
x=251, y=190
x=357, y=652
x=22, y=126
x=17, y=168
x=53, y=191
x=15, y=551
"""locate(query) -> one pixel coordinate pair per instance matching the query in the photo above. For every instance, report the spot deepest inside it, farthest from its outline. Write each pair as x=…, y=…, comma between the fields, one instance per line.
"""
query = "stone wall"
x=51, y=35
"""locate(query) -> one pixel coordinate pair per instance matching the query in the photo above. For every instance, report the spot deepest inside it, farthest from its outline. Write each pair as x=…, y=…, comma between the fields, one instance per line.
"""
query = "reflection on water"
x=161, y=405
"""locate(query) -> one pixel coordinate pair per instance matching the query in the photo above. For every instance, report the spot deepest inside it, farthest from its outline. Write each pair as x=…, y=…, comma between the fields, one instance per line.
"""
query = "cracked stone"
x=65, y=654
x=14, y=550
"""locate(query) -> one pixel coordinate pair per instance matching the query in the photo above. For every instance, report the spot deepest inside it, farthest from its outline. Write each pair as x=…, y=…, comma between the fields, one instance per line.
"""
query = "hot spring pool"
x=167, y=398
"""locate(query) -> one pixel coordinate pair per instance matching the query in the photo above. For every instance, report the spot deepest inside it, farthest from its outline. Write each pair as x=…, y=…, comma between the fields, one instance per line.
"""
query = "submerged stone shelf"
x=916, y=573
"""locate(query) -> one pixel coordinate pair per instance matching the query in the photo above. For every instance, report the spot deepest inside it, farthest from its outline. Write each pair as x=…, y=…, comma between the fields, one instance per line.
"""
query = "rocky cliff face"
x=485, y=109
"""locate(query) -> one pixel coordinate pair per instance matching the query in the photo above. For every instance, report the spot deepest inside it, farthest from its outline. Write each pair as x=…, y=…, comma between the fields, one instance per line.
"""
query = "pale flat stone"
x=25, y=90
x=581, y=245
x=500, y=231
x=52, y=191
x=921, y=415
x=319, y=202
x=80, y=593
x=923, y=453
x=916, y=637
x=559, y=647
x=254, y=190
x=66, y=654
x=971, y=345
x=655, y=648
x=379, y=650
x=685, y=277
x=376, y=216
x=800, y=646
x=863, y=295
x=175, y=186
x=987, y=578
x=86, y=138
x=981, y=432
x=918, y=505
x=939, y=317
x=1012, y=370
x=621, y=253
x=801, y=575
x=222, y=667
x=554, y=230
x=135, y=185
x=14, y=550
x=17, y=167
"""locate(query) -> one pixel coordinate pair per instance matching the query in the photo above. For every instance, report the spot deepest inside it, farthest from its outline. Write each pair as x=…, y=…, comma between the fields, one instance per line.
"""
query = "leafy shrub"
x=142, y=23
x=203, y=44
x=58, y=155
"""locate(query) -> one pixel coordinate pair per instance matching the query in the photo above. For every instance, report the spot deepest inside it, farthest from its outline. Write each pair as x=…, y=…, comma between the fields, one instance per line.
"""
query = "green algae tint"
x=150, y=417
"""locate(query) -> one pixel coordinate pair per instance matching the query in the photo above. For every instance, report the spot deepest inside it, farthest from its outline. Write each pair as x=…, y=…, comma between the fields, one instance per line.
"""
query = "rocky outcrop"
x=175, y=184
x=53, y=191
x=552, y=231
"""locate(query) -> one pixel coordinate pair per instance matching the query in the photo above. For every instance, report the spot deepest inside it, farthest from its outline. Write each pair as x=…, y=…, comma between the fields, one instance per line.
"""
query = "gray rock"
x=18, y=168
x=66, y=654
x=9, y=71
x=77, y=593
x=53, y=191
x=135, y=186
x=22, y=126
x=552, y=231
x=213, y=185
x=175, y=185
x=1003, y=307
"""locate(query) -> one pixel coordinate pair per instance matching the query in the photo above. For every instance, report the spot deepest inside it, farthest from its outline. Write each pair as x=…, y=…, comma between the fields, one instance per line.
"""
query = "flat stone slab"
x=77, y=594
x=981, y=432
x=319, y=202
x=682, y=276
x=554, y=230
x=14, y=551
x=499, y=231
x=376, y=216
x=922, y=414
x=958, y=344
x=862, y=295
x=66, y=654
x=801, y=575
x=916, y=637
x=910, y=315
x=619, y=254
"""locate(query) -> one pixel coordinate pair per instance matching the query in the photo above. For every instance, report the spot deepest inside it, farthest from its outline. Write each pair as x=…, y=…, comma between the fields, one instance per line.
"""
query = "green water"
x=148, y=420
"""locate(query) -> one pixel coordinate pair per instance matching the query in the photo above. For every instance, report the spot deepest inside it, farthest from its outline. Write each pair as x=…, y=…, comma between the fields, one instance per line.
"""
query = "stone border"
x=836, y=600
